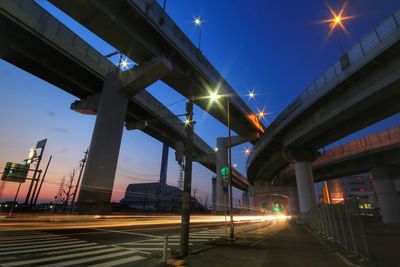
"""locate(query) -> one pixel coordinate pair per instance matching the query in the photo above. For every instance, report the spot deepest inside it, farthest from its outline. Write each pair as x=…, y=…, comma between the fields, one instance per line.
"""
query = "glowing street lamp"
x=197, y=22
x=251, y=94
x=247, y=151
x=124, y=64
x=336, y=21
x=214, y=96
x=261, y=114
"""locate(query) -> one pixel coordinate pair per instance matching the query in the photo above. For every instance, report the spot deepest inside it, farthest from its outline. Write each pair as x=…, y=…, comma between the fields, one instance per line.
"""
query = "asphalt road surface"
x=108, y=241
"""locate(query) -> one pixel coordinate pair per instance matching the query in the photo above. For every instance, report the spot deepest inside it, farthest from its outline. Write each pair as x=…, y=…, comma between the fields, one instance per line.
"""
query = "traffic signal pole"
x=231, y=235
x=187, y=184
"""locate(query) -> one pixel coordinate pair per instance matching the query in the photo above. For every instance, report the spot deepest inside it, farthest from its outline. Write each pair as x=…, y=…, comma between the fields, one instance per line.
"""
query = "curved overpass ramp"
x=360, y=89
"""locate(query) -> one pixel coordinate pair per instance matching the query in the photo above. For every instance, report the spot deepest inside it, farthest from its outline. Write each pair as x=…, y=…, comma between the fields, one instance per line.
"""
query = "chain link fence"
x=342, y=224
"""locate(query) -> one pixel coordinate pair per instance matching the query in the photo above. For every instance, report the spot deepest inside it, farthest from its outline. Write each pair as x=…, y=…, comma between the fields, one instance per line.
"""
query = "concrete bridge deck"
x=355, y=157
x=35, y=41
x=142, y=30
x=359, y=90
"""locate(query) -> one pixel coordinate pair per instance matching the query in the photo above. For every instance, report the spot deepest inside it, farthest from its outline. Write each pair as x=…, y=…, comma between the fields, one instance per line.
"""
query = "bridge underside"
x=367, y=96
x=142, y=30
x=22, y=46
x=352, y=165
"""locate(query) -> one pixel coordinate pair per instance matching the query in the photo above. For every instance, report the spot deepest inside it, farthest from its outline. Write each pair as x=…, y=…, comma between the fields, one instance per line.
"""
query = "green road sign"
x=14, y=172
x=225, y=173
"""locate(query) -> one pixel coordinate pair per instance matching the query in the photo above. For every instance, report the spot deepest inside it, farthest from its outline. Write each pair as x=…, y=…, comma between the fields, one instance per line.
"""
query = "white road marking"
x=63, y=257
x=126, y=233
x=46, y=249
x=80, y=261
x=56, y=240
x=119, y=262
x=152, y=244
x=41, y=246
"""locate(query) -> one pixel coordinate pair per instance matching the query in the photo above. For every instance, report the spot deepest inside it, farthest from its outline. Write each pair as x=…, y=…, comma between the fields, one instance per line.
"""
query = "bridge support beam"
x=98, y=178
x=388, y=197
x=250, y=196
x=304, y=177
x=305, y=185
x=293, y=200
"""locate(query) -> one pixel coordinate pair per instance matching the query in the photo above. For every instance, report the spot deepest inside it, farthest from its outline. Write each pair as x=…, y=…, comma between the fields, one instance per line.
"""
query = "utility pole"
x=230, y=170
x=41, y=183
x=82, y=165
x=187, y=186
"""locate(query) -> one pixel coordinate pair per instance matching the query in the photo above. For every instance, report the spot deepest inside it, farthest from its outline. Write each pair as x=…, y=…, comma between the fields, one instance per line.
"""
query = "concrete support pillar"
x=388, y=197
x=222, y=161
x=305, y=185
x=293, y=200
x=98, y=178
x=302, y=159
x=250, y=199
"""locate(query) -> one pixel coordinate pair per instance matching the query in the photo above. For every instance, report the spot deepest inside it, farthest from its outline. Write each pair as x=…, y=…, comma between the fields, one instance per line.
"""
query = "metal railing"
x=370, y=142
x=368, y=47
x=342, y=224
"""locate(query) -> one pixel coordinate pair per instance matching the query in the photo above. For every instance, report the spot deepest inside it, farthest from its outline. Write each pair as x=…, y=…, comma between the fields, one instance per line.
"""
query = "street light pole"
x=187, y=184
x=230, y=168
x=82, y=165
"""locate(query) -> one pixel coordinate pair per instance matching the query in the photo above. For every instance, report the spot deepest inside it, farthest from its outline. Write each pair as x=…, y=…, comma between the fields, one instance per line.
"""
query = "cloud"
x=51, y=113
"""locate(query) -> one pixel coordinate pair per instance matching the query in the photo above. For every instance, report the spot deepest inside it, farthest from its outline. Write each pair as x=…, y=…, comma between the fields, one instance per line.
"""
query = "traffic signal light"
x=225, y=172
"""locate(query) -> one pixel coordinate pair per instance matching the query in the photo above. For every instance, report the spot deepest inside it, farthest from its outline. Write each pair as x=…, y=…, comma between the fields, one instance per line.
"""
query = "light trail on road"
x=79, y=221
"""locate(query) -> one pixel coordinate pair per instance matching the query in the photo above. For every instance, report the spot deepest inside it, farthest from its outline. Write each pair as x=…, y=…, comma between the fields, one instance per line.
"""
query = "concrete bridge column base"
x=293, y=201
x=98, y=178
x=250, y=196
x=388, y=197
x=302, y=158
x=305, y=186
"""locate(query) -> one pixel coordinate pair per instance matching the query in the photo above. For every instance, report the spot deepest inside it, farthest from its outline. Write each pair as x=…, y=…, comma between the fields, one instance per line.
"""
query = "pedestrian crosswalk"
x=156, y=245
x=51, y=250
x=36, y=248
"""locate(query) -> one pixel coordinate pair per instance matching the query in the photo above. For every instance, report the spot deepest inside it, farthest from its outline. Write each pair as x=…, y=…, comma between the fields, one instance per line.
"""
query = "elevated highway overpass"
x=377, y=153
x=142, y=30
x=36, y=42
x=360, y=89
x=359, y=156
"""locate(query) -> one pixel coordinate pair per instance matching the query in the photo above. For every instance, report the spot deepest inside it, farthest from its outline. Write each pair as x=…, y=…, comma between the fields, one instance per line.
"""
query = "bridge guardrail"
x=358, y=55
x=378, y=140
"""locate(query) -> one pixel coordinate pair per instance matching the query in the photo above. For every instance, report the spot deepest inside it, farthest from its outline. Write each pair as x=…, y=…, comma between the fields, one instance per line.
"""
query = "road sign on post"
x=15, y=172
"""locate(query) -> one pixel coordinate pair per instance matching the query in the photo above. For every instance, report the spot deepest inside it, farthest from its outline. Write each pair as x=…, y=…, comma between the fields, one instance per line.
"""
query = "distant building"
x=359, y=186
x=156, y=197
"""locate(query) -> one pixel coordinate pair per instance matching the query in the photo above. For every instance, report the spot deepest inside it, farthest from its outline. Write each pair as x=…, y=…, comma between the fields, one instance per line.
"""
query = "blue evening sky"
x=276, y=48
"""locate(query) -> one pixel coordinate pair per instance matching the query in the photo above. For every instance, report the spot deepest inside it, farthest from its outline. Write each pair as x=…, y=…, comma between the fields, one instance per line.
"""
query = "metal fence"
x=342, y=224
